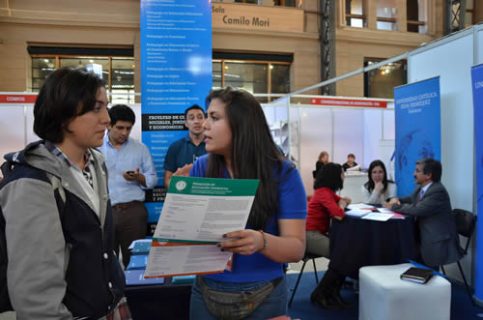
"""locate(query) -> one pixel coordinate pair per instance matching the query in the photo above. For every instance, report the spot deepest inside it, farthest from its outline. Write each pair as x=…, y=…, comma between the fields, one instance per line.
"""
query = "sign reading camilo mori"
x=477, y=83
x=176, y=70
x=418, y=129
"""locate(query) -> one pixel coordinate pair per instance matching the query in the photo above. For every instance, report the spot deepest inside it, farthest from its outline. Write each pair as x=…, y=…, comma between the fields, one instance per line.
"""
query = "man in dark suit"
x=431, y=207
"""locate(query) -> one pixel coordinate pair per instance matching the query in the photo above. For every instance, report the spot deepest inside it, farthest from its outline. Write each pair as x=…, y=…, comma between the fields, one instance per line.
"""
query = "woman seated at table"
x=378, y=188
x=322, y=160
x=324, y=205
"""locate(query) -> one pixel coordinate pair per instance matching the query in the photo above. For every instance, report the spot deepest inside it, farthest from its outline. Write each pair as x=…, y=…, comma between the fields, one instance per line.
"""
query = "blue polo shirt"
x=292, y=203
x=182, y=152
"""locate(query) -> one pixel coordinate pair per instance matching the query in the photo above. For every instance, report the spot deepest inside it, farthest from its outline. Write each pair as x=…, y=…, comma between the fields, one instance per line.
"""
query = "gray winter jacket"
x=60, y=265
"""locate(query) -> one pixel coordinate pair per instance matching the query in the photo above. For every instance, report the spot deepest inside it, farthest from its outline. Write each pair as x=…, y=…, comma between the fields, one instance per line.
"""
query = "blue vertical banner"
x=477, y=84
x=176, y=72
x=418, y=129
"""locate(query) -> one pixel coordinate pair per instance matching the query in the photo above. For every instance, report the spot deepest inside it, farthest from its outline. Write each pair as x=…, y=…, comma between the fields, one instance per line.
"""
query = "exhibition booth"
x=461, y=166
x=349, y=125
x=454, y=62
x=338, y=125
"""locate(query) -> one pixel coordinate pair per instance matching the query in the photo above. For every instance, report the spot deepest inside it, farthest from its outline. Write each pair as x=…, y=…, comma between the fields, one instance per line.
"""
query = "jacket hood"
x=36, y=155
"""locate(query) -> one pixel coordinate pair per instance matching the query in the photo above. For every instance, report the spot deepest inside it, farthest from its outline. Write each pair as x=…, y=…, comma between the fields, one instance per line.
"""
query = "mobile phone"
x=130, y=172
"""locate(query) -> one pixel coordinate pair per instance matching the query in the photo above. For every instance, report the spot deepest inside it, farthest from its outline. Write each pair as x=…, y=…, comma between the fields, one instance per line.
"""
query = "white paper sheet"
x=358, y=212
x=196, y=213
x=378, y=216
x=185, y=259
x=356, y=206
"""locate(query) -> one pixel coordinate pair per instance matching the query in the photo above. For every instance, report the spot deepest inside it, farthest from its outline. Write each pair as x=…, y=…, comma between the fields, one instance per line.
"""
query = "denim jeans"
x=274, y=305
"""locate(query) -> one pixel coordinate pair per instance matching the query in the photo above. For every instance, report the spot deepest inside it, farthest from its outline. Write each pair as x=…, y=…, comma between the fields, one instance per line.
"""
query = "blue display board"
x=477, y=83
x=418, y=129
x=176, y=72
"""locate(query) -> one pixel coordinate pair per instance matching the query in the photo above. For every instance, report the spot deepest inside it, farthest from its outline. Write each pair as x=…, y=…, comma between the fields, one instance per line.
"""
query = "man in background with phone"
x=183, y=152
x=130, y=172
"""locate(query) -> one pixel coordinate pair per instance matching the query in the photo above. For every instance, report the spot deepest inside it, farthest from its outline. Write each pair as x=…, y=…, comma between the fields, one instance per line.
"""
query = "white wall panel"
x=29, y=118
x=456, y=109
x=315, y=136
x=12, y=128
x=478, y=44
x=372, y=135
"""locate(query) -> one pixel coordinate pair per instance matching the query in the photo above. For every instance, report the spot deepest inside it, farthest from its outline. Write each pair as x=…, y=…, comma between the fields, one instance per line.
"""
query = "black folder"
x=417, y=275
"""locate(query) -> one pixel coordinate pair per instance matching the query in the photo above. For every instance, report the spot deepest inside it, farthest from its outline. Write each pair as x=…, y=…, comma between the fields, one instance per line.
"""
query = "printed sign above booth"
x=248, y=17
x=18, y=98
x=337, y=102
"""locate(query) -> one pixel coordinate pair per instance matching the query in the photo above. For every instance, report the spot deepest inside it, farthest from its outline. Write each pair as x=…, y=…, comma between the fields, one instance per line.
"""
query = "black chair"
x=465, y=225
x=305, y=259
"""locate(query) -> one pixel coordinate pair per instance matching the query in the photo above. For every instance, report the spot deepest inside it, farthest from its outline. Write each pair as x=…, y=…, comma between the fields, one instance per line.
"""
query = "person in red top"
x=324, y=205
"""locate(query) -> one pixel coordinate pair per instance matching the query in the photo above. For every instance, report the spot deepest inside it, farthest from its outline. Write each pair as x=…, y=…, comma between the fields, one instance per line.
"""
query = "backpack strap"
x=60, y=199
x=57, y=186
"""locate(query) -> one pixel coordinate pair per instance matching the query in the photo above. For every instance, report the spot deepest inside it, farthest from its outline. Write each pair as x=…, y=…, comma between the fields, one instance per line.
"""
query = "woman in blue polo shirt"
x=239, y=145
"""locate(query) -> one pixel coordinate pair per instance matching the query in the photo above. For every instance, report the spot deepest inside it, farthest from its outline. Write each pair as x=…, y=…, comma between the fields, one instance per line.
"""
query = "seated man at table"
x=430, y=205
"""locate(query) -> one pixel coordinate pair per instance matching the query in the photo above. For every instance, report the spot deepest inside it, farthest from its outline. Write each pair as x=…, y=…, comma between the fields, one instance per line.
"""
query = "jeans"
x=274, y=305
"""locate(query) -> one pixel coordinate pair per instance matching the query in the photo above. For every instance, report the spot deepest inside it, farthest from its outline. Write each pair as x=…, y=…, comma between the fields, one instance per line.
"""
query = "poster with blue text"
x=418, y=129
x=176, y=72
x=477, y=83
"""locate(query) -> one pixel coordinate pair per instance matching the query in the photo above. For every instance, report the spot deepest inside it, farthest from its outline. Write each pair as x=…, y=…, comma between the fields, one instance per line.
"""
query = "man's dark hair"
x=329, y=176
x=433, y=167
x=66, y=93
x=351, y=155
x=193, y=107
x=121, y=112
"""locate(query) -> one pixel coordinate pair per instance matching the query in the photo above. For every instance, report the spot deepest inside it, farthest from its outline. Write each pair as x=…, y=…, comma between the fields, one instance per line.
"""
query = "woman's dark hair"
x=254, y=155
x=329, y=176
x=323, y=154
x=65, y=94
x=369, y=185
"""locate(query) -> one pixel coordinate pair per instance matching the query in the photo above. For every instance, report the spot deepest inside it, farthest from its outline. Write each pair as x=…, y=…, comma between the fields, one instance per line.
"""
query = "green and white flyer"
x=196, y=214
